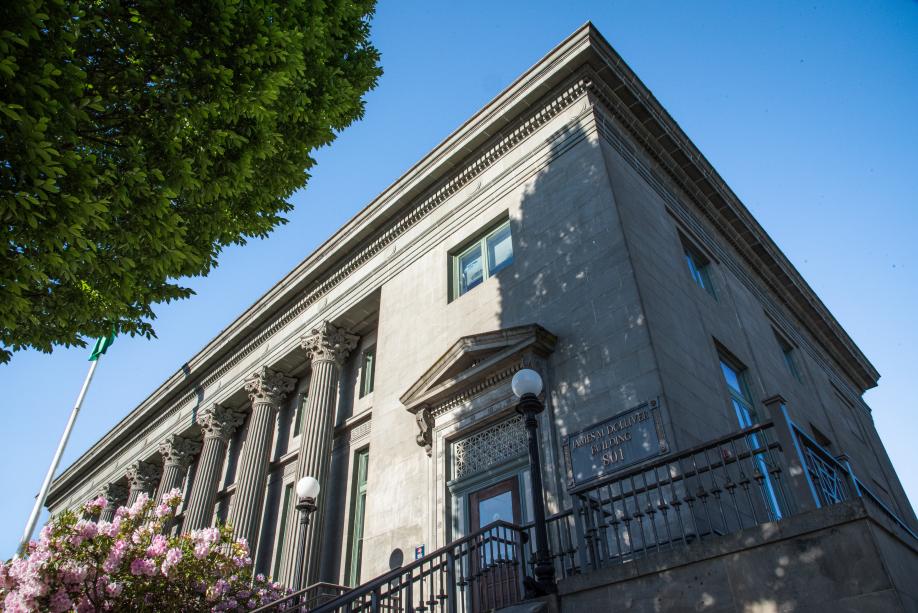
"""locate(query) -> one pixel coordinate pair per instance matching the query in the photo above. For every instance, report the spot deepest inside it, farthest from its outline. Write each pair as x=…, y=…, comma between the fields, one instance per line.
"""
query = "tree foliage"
x=138, y=138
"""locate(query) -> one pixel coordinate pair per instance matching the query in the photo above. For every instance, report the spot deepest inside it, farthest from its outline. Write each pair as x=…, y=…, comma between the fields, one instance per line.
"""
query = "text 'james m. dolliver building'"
x=692, y=437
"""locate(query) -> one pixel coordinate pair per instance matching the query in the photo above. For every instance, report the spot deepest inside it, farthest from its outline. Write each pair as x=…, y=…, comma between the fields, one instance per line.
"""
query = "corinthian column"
x=327, y=347
x=267, y=389
x=114, y=494
x=142, y=479
x=177, y=452
x=217, y=426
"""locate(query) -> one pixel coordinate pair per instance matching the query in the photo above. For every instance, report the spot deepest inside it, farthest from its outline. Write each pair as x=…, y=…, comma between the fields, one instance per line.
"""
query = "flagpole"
x=40, y=500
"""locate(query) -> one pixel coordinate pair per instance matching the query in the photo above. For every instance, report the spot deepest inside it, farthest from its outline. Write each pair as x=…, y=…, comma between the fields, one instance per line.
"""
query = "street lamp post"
x=307, y=490
x=527, y=385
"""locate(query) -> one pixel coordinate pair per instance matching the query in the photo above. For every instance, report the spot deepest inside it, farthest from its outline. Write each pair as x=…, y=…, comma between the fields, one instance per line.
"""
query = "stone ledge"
x=793, y=527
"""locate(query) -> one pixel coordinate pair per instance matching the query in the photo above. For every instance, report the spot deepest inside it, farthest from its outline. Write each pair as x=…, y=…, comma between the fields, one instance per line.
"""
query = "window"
x=699, y=267
x=790, y=356
x=282, y=530
x=735, y=376
x=358, y=512
x=739, y=393
x=487, y=255
x=367, y=371
x=300, y=412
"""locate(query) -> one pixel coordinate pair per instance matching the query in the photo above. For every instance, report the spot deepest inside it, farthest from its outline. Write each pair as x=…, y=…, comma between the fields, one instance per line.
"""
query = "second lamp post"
x=307, y=490
x=527, y=385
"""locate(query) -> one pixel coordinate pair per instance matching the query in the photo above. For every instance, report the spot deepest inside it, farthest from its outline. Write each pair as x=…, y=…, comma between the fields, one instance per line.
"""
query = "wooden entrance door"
x=495, y=565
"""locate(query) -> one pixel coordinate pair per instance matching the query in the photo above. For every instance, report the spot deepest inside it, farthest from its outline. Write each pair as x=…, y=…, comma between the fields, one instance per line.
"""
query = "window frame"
x=284, y=517
x=479, y=243
x=357, y=516
x=698, y=265
x=789, y=353
x=367, y=382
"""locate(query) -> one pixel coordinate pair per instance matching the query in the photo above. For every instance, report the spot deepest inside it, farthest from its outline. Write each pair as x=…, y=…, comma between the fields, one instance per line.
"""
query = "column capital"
x=267, y=385
x=113, y=493
x=218, y=421
x=328, y=343
x=178, y=450
x=143, y=476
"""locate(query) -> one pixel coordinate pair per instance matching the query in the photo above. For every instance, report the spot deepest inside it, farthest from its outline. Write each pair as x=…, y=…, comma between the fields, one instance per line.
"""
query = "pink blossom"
x=158, y=546
x=87, y=529
x=60, y=602
x=115, y=556
x=142, y=566
x=163, y=510
x=201, y=550
x=173, y=557
x=113, y=589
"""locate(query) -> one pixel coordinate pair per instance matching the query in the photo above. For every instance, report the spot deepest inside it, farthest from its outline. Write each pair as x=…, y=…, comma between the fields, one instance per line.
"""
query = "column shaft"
x=199, y=510
x=248, y=500
x=267, y=389
x=217, y=426
x=315, y=454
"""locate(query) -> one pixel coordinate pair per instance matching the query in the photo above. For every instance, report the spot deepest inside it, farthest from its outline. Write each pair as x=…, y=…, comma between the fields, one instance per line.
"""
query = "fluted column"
x=115, y=494
x=267, y=389
x=142, y=479
x=217, y=426
x=177, y=452
x=327, y=347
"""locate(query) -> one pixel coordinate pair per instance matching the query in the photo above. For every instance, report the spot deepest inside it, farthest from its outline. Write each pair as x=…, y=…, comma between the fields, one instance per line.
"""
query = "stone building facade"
x=569, y=226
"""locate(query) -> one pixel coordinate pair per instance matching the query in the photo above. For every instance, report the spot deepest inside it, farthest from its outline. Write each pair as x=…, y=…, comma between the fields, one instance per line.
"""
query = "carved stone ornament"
x=218, y=421
x=143, y=475
x=425, y=423
x=178, y=450
x=267, y=385
x=329, y=343
x=114, y=493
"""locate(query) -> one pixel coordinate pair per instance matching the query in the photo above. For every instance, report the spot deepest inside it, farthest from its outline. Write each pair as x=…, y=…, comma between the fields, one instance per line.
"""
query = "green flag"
x=102, y=346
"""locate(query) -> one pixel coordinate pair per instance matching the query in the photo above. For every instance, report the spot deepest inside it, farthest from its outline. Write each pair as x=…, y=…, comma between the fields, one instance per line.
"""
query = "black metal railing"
x=831, y=479
x=716, y=488
x=479, y=572
x=562, y=544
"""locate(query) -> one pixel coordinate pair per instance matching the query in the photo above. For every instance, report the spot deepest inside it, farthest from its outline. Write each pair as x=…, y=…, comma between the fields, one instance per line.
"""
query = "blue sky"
x=806, y=109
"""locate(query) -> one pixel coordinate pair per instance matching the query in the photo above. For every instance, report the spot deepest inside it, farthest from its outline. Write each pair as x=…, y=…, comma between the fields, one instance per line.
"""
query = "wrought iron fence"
x=562, y=544
x=831, y=479
x=720, y=487
x=479, y=572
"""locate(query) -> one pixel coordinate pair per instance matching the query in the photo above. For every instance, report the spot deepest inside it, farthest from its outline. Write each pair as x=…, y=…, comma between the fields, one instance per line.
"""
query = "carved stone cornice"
x=268, y=386
x=178, y=450
x=218, y=421
x=328, y=343
x=143, y=476
x=113, y=493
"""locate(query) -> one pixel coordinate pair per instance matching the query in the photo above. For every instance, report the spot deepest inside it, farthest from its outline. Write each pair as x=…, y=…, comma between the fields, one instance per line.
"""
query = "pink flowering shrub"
x=132, y=564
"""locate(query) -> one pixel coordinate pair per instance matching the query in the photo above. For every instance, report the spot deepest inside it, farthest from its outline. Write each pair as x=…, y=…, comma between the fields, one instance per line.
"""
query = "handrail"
x=383, y=580
x=859, y=487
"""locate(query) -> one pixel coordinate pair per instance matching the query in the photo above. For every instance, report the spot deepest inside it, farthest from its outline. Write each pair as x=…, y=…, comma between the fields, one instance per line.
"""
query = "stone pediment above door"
x=472, y=364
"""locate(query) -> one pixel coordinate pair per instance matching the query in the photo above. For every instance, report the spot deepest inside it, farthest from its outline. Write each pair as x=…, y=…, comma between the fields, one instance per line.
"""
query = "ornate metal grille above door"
x=481, y=450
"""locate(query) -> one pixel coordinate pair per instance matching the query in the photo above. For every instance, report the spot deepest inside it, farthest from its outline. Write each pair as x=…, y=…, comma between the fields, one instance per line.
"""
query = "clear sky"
x=806, y=109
